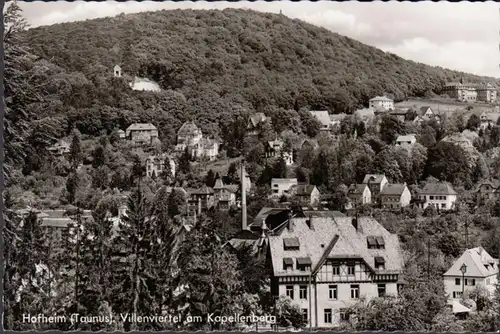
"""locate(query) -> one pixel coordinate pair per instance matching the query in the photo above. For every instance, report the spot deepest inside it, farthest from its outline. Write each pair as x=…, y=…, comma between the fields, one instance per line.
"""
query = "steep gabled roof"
x=141, y=127
x=188, y=129
x=423, y=110
x=381, y=98
x=373, y=178
x=351, y=243
x=257, y=118
x=478, y=262
x=304, y=189
x=393, y=189
x=442, y=188
x=357, y=189
x=322, y=116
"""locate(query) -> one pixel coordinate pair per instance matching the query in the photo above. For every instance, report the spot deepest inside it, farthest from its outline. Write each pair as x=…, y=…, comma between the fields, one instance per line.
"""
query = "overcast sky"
x=462, y=36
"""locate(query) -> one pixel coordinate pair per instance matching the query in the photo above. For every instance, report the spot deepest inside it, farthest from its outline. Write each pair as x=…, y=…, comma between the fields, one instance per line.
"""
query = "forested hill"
x=211, y=61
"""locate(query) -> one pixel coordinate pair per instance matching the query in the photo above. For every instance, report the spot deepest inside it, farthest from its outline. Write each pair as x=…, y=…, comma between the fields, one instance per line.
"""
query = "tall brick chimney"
x=243, y=198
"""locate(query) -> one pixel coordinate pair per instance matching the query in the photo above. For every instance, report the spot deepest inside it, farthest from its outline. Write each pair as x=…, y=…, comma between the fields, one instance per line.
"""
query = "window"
x=470, y=281
x=336, y=269
x=291, y=244
x=381, y=290
x=303, y=292
x=457, y=294
x=289, y=291
x=305, y=315
x=431, y=197
x=379, y=262
x=304, y=263
x=328, y=316
x=351, y=269
x=443, y=205
x=354, y=291
x=287, y=264
x=457, y=281
x=332, y=292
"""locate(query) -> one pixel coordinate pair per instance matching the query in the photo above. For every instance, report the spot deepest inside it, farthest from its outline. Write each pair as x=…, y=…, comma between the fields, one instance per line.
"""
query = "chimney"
x=309, y=222
x=290, y=221
x=355, y=222
x=243, y=198
x=264, y=228
x=199, y=206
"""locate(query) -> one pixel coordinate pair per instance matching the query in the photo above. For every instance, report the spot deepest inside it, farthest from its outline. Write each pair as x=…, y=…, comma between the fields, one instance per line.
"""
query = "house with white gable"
x=382, y=102
x=322, y=117
x=441, y=196
x=190, y=136
x=327, y=264
x=359, y=194
x=280, y=187
x=156, y=164
x=142, y=133
x=489, y=119
x=406, y=141
x=475, y=268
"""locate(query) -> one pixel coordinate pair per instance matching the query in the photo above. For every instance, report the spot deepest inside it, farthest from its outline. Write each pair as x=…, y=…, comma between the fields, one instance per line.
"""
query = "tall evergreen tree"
x=75, y=153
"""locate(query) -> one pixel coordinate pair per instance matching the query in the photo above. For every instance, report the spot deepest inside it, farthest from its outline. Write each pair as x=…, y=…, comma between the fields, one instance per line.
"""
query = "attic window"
x=371, y=242
x=486, y=266
x=304, y=263
x=291, y=244
x=380, y=242
x=287, y=263
x=379, y=262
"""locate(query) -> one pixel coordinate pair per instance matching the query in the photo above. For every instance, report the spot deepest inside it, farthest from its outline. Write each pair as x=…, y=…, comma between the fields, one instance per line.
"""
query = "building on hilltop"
x=205, y=148
x=188, y=135
x=406, y=141
x=305, y=194
x=489, y=119
x=359, y=194
x=395, y=196
x=280, y=187
x=468, y=92
x=60, y=148
x=117, y=71
x=458, y=139
x=326, y=265
x=254, y=121
x=142, y=133
x=441, y=196
x=487, y=191
x=155, y=165
x=382, y=102
x=475, y=268
x=323, y=118
x=224, y=195
x=376, y=182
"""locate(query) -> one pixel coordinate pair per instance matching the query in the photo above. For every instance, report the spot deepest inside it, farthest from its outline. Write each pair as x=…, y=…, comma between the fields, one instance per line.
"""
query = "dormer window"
x=379, y=262
x=375, y=242
x=487, y=267
x=304, y=263
x=290, y=244
x=287, y=264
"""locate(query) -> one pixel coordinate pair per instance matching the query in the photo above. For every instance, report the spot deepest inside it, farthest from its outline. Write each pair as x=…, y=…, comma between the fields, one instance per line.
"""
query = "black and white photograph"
x=251, y=166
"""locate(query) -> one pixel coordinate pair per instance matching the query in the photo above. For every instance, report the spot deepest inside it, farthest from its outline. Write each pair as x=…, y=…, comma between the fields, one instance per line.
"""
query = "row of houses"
x=376, y=189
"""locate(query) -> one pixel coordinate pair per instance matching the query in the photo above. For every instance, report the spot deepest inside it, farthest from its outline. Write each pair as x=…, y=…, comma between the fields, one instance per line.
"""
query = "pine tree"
x=185, y=162
x=209, y=276
x=135, y=280
x=75, y=153
x=166, y=173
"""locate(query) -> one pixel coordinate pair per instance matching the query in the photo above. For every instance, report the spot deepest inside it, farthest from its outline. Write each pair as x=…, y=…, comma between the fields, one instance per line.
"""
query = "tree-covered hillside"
x=210, y=62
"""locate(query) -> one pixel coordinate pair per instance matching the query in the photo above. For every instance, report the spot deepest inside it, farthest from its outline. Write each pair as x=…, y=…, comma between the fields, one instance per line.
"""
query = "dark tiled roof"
x=393, y=189
x=303, y=189
x=351, y=243
x=323, y=213
x=304, y=261
x=375, y=178
x=438, y=189
x=357, y=189
x=141, y=127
